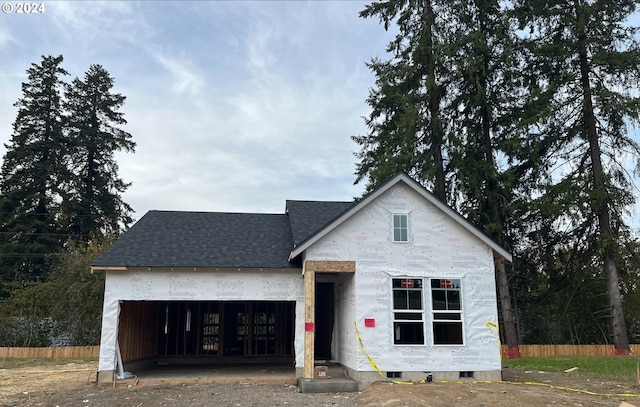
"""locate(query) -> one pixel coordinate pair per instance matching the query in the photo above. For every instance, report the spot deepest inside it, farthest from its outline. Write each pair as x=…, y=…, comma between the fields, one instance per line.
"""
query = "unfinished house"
x=396, y=285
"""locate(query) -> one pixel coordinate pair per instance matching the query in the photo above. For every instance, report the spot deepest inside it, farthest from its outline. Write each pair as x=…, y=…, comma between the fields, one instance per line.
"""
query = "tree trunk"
x=600, y=203
x=491, y=199
x=510, y=333
x=435, y=124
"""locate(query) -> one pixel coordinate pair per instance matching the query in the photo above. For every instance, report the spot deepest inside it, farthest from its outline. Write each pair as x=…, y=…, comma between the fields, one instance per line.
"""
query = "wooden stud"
x=309, y=317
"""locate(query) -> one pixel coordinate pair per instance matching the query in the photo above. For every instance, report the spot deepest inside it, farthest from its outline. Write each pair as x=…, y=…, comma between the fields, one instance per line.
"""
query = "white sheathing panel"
x=198, y=285
x=109, y=333
x=438, y=247
x=344, y=335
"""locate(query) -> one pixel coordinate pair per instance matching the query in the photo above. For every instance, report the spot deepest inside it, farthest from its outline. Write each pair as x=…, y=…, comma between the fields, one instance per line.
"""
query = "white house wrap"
x=396, y=284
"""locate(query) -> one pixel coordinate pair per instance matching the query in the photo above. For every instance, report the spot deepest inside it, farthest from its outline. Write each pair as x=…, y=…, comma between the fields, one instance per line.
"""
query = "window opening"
x=408, y=311
x=447, y=311
x=400, y=228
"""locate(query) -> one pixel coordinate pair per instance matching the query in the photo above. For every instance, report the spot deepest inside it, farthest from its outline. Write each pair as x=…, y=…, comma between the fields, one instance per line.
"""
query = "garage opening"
x=262, y=331
x=226, y=328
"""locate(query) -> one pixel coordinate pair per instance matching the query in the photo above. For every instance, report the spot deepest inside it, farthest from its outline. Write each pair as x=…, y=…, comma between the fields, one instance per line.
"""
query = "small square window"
x=400, y=228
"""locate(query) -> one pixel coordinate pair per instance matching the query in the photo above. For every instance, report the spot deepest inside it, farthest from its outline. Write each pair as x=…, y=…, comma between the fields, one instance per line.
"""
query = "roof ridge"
x=213, y=212
x=317, y=201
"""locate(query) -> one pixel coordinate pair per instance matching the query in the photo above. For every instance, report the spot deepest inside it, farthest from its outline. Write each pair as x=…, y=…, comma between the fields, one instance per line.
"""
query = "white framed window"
x=400, y=227
x=446, y=305
x=408, y=311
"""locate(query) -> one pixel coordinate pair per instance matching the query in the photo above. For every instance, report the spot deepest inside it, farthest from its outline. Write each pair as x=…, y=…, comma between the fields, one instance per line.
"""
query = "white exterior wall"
x=438, y=247
x=197, y=285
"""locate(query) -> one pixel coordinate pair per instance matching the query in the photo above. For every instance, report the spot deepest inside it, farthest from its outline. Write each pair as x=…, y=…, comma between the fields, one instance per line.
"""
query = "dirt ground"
x=73, y=384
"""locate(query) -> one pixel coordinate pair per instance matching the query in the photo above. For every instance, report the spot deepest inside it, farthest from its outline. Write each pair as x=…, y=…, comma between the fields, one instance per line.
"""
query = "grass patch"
x=14, y=363
x=621, y=369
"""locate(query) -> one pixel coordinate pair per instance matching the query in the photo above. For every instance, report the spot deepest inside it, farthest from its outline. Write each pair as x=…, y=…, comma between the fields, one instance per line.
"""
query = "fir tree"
x=483, y=92
x=406, y=130
x=583, y=75
x=94, y=204
x=33, y=171
x=439, y=112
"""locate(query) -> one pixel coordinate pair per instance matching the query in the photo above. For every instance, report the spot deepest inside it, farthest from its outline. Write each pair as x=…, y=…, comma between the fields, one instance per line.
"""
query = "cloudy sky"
x=234, y=105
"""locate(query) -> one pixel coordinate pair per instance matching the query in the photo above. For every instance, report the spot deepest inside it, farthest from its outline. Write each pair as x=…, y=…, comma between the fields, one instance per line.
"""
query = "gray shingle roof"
x=215, y=239
x=307, y=217
x=245, y=240
x=203, y=239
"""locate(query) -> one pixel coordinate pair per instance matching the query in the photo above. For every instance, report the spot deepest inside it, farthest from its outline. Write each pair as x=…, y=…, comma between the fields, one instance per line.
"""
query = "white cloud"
x=186, y=78
x=5, y=38
x=235, y=106
x=87, y=21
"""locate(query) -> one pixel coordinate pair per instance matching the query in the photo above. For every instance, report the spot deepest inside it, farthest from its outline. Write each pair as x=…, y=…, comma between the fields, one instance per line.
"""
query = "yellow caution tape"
x=493, y=326
x=591, y=393
x=373, y=363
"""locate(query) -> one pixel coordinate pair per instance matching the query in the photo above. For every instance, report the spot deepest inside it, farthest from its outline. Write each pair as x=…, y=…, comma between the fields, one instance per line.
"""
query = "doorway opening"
x=324, y=320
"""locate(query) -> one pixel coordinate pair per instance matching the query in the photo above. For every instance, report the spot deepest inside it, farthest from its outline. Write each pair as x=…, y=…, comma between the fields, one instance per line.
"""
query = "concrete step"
x=343, y=385
x=329, y=378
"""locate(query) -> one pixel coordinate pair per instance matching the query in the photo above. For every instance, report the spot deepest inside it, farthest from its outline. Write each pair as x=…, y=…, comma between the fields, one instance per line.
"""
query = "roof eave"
x=108, y=268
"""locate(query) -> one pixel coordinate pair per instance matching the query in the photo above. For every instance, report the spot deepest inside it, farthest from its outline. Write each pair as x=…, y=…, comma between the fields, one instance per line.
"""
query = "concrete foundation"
x=367, y=378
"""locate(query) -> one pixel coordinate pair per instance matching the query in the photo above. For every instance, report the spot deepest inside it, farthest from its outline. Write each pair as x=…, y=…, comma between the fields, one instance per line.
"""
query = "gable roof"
x=308, y=217
x=249, y=240
x=398, y=178
x=202, y=239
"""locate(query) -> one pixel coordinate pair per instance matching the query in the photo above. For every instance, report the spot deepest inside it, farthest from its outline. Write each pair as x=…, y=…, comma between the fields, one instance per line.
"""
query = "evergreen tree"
x=583, y=75
x=483, y=94
x=94, y=204
x=424, y=113
x=67, y=306
x=406, y=131
x=33, y=171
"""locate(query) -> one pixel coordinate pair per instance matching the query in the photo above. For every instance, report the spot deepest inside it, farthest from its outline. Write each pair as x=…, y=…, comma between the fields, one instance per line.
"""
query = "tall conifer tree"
x=33, y=171
x=584, y=70
x=439, y=111
x=94, y=203
x=406, y=131
x=483, y=95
